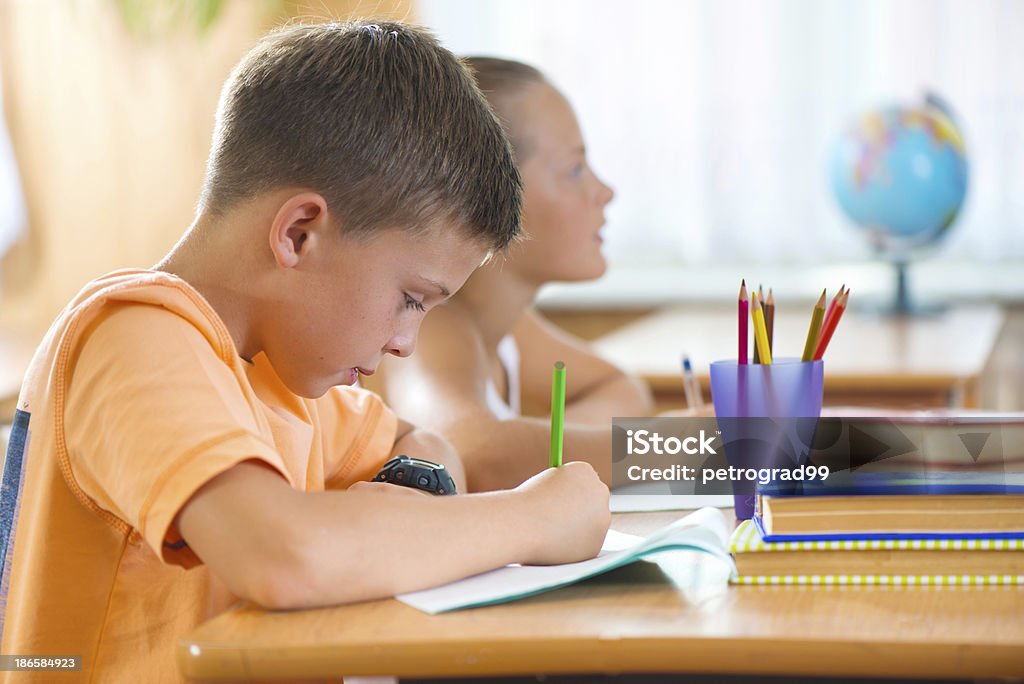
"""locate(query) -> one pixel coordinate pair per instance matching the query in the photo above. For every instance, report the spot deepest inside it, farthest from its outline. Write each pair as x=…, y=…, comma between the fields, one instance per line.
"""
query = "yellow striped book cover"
x=894, y=562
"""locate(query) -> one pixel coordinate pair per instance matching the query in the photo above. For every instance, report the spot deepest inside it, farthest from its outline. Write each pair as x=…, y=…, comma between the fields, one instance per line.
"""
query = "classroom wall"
x=111, y=126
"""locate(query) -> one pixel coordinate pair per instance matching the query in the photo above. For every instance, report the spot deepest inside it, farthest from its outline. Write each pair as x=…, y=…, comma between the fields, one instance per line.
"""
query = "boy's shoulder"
x=130, y=313
x=142, y=286
x=145, y=295
x=152, y=322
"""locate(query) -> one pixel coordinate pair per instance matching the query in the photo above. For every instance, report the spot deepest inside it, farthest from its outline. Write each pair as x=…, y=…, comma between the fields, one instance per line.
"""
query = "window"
x=714, y=120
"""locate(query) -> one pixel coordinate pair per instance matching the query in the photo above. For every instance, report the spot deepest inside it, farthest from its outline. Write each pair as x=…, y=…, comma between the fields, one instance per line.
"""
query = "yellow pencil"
x=812, y=332
x=760, y=332
x=760, y=298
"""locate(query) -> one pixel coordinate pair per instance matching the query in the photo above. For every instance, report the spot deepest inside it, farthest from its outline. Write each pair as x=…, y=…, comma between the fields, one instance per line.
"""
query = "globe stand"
x=901, y=304
x=898, y=253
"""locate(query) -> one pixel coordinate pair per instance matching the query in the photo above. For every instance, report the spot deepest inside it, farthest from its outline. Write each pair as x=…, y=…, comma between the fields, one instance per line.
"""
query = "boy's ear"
x=298, y=225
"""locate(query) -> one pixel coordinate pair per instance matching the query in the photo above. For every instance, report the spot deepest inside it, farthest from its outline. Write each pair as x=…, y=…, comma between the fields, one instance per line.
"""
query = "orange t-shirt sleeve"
x=358, y=432
x=152, y=414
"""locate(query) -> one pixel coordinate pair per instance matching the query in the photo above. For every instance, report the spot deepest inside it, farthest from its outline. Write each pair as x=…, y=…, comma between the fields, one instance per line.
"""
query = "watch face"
x=419, y=462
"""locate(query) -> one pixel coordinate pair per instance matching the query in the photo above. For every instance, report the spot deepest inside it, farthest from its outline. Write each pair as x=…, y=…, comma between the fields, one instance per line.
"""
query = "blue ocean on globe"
x=901, y=174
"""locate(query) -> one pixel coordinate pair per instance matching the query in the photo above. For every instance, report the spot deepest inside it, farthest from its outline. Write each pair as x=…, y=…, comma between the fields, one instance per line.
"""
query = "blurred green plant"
x=148, y=19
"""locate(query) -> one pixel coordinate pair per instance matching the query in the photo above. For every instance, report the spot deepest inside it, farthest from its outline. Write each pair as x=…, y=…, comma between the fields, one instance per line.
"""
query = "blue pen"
x=694, y=396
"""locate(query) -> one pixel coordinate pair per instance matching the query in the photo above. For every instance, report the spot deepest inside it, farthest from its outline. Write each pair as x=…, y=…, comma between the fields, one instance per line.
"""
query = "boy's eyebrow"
x=444, y=290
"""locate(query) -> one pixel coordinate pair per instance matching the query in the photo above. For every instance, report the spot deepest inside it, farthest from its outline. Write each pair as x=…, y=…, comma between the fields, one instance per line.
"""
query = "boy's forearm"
x=314, y=549
x=620, y=396
x=374, y=537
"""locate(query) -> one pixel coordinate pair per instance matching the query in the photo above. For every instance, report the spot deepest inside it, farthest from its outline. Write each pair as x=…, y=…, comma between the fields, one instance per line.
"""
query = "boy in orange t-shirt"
x=180, y=441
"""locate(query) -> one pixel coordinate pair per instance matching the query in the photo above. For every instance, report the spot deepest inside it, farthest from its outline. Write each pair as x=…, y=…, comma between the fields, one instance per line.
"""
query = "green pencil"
x=557, y=413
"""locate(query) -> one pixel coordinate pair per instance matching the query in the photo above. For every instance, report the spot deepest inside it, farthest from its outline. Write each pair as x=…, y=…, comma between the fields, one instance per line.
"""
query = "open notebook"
x=658, y=496
x=705, y=531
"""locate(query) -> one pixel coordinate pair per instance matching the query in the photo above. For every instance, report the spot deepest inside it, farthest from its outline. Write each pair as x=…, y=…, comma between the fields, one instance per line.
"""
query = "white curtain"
x=713, y=119
x=12, y=203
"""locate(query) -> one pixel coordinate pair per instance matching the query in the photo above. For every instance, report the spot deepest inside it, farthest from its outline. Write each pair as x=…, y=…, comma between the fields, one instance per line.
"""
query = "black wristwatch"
x=418, y=474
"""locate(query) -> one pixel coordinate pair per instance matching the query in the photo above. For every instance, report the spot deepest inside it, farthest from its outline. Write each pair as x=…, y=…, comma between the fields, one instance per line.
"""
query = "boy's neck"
x=210, y=258
x=497, y=297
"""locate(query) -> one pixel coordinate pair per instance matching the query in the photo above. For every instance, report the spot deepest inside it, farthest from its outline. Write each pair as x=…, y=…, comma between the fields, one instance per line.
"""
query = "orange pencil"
x=829, y=330
x=832, y=307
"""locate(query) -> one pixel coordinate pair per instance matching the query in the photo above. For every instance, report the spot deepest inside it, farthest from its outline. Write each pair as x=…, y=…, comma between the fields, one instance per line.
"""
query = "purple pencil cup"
x=786, y=390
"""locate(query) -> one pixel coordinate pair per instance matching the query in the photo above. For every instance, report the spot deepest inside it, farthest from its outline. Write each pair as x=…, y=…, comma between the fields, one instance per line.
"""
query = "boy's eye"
x=411, y=303
x=577, y=170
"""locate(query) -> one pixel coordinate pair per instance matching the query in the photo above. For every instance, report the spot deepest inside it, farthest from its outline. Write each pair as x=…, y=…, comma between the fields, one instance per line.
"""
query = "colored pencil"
x=830, y=329
x=769, y=318
x=760, y=334
x=742, y=306
x=832, y=307
x=694, y=396
x=760, y=298
x=817, y=316
x=557, y=413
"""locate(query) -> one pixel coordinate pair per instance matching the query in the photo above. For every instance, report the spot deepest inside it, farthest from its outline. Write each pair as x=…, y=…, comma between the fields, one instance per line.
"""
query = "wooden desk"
x=633, y=620
x=932, y=360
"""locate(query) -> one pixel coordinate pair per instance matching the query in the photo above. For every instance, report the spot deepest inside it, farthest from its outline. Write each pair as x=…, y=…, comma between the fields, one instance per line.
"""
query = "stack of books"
x=887, y=528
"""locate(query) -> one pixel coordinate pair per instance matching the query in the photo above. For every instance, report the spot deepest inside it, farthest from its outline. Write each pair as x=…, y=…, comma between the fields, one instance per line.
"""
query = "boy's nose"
x=401, y=345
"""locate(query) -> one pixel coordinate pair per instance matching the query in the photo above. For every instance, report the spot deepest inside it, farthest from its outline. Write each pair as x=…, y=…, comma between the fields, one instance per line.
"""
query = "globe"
x=900, y=174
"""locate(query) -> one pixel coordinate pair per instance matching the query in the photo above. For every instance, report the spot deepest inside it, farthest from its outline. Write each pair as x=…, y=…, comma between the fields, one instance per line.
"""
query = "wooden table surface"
x=636, y=619
x=870, y=356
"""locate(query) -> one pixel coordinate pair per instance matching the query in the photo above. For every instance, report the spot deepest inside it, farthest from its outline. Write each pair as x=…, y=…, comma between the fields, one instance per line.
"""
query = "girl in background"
x=481, y=374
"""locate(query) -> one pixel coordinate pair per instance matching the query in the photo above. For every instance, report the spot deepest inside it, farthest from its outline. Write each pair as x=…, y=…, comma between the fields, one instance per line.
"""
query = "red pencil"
x=831, y=308
x=826, y=332
x=744, y=310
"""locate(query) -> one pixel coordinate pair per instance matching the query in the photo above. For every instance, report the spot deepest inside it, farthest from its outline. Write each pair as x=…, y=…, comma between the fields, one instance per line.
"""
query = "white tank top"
x=508, y=355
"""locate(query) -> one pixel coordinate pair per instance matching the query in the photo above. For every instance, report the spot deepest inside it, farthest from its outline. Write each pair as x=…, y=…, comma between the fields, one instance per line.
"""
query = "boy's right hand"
x=569, y=508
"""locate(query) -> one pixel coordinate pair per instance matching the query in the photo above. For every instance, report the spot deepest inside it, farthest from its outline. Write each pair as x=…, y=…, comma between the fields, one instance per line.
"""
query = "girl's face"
x=563, y=200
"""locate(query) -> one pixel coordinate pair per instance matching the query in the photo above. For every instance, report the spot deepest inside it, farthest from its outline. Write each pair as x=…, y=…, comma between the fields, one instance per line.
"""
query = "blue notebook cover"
x=857, y=536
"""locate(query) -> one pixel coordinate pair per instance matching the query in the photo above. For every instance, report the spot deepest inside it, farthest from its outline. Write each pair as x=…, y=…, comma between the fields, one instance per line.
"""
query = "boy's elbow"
x=297, y=576
x=280, y=580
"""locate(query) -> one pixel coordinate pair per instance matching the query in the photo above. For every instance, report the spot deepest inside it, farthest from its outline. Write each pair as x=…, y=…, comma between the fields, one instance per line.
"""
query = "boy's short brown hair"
x=379, y=118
